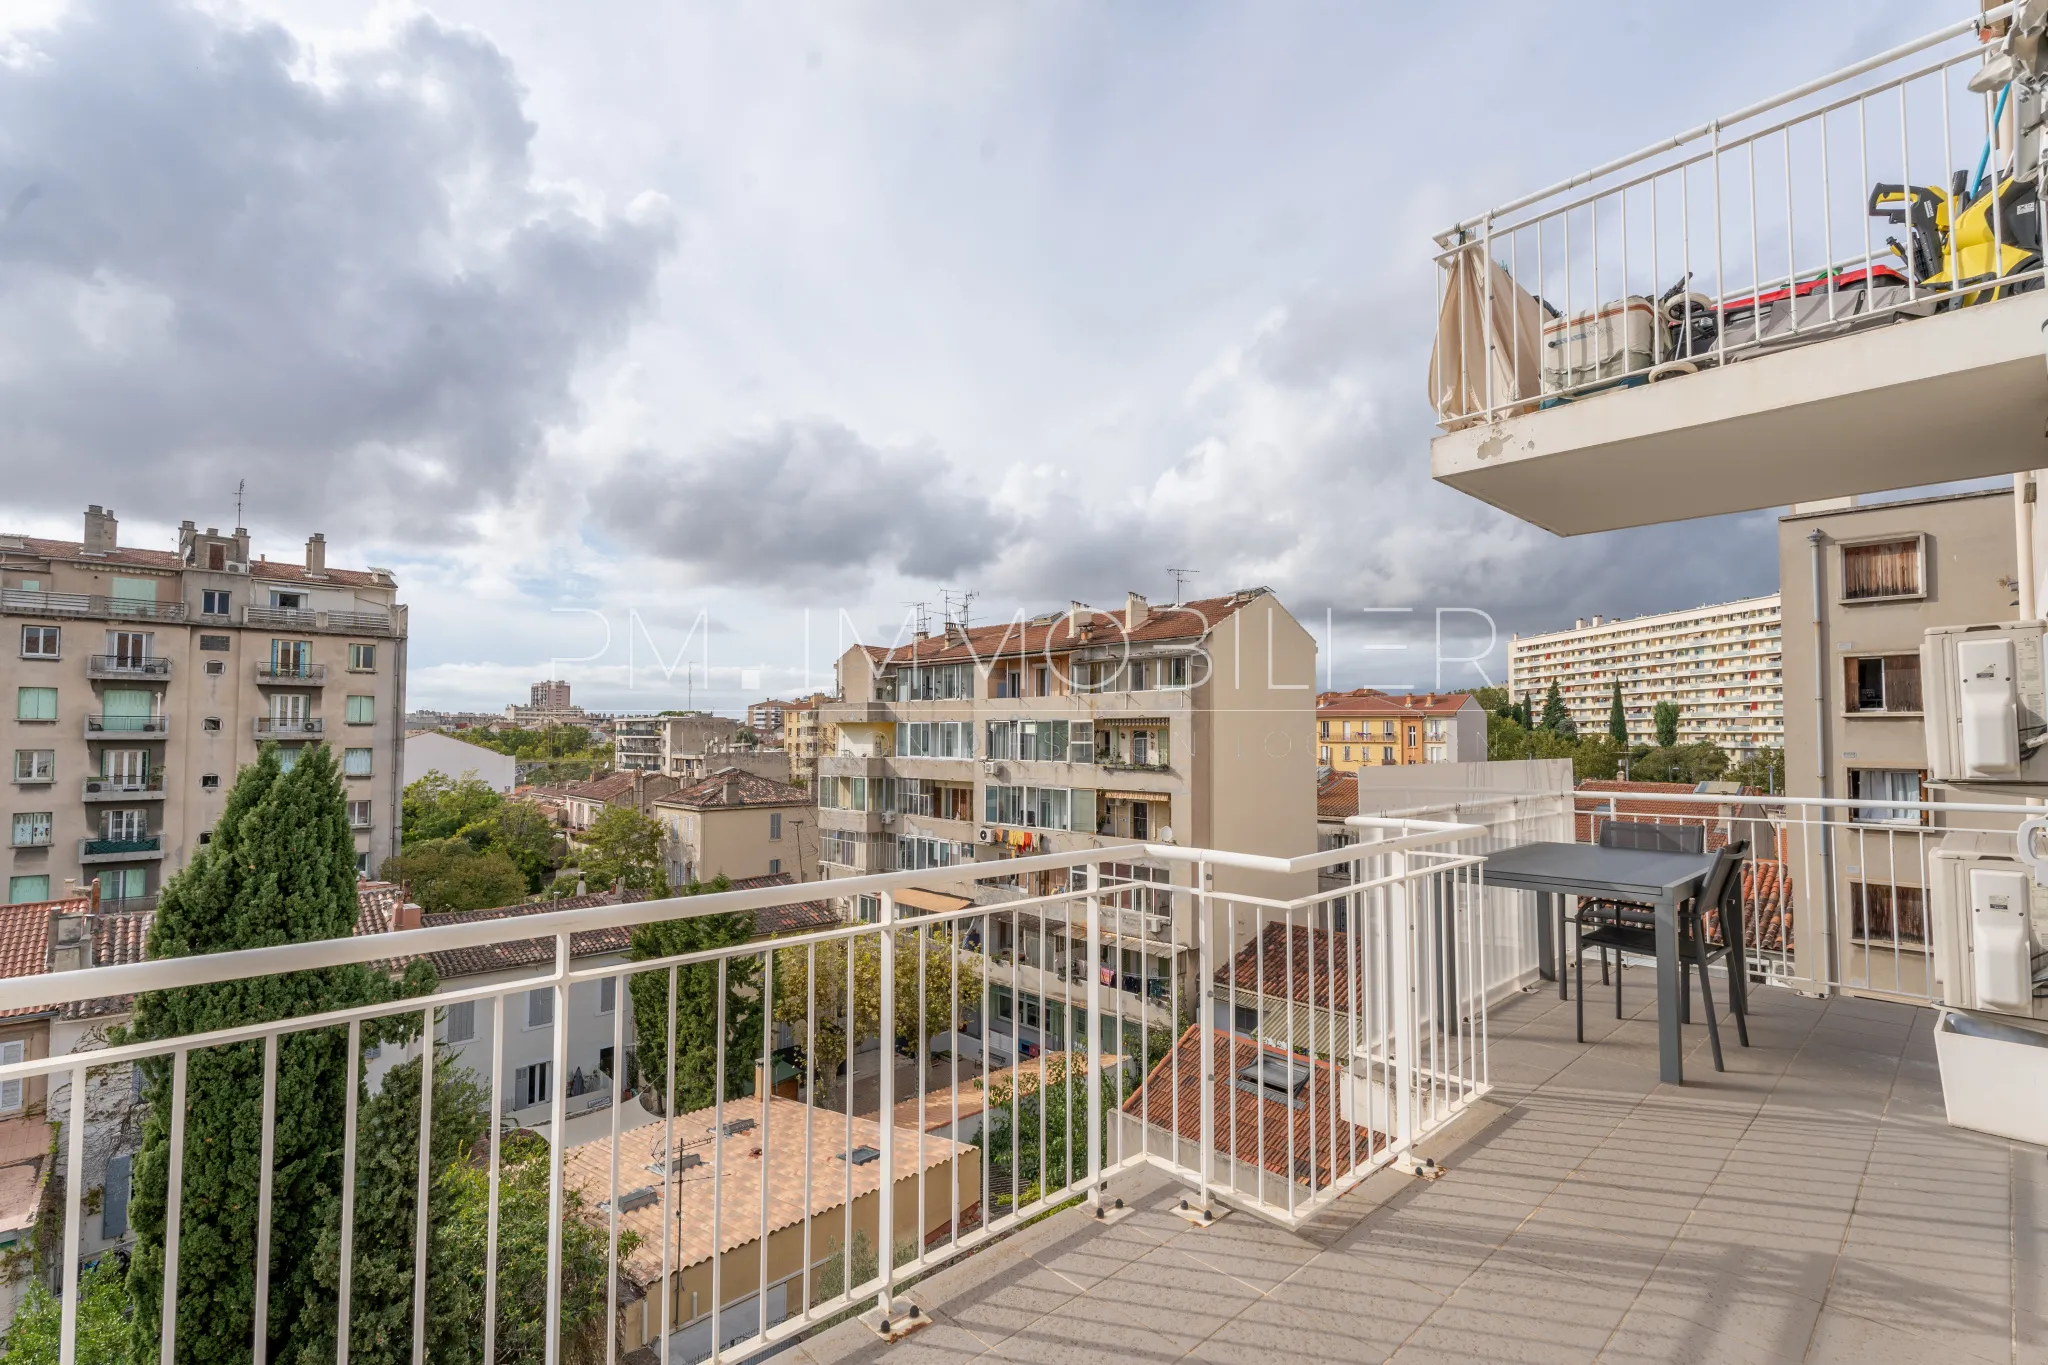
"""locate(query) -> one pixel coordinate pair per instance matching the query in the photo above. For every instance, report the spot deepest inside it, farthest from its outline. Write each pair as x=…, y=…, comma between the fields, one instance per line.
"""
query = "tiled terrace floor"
x=1809, y=1205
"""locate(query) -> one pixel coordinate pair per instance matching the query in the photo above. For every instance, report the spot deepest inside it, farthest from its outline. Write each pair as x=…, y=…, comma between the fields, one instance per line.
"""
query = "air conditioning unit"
x=1989, y=921
x=984, y=835
x=1984, y=703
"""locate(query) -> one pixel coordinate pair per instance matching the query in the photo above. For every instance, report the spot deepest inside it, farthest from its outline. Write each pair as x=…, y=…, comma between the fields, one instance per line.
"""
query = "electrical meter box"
x=1984, y=703
x=1990, y=920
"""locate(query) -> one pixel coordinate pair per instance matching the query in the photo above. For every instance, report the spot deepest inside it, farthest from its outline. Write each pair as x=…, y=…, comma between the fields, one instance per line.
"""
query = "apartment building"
x=767, y=715
x=637, y=743
x=141, y=680
x=1366, y=728
x=1191, y=723
x=1721, y=665
x=738, y=824
x=807, y=734
x=1888, y=572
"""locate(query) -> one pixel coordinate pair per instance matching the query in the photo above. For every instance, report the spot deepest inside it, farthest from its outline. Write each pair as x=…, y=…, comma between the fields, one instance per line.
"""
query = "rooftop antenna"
x=954, y=606
x=924, y=617
x=1180, y=581
x=240, y=484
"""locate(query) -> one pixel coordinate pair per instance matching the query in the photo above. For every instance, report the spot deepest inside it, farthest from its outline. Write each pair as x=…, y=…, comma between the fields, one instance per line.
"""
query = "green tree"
x=448, y=875
x=1494, y=700
x=697, y=999
x=931, y=984
x=1556, y=718
x=1664, y=720
x=33, y=1336
x=386, y=1219
x=523, y=1259
x=523, y=832
x=280, y=868
x=624, y=846
x=1617, y=719
x=438, y=806
x=1045, y=1131
x=1764, y=771
x=867, y=1265
x=1687, y=763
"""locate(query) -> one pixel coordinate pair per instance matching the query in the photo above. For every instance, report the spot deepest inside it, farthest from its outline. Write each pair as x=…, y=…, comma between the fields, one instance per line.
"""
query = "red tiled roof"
x=746, y=789
x=1171, y=1098
x=377, y=906
x=347, y=578
x=1293, y=962
x=1337, y=796
x=1367, y=701
x=24, y=944
x=1600, y=799
x=795, y=918
x=1185, y=621
x=605, y=789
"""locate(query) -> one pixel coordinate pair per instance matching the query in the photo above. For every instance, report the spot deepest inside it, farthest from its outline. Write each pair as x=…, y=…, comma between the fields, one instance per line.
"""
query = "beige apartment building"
x=738, y=824
x=141, y=681
x=1720, y=664
x=1888, y=572
x=1192, y=723
x=807, y=734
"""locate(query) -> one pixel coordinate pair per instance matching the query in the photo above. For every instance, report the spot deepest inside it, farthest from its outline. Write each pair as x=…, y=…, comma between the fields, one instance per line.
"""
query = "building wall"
x=211, y=699
x=1398, y=735
x=706, y=842
x=431, y=752
x=1255, y=777
x=1970, y=560
x=1720, y=664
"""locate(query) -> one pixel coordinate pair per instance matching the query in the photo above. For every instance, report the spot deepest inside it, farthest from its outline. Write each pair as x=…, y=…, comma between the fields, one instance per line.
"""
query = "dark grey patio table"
x=1663, y=880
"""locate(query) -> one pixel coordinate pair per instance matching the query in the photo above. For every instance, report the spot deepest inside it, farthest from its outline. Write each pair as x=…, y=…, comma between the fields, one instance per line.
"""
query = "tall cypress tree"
x=697, y=1046
x=279, y=869
x=1617, y=719
x=1556, y=718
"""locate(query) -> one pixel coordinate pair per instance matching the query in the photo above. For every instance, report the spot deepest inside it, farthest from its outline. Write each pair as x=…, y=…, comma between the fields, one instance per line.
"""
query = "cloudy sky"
x=634, y=335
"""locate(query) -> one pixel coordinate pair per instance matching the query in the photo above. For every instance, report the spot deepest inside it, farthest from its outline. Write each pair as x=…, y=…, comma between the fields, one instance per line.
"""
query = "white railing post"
x=1205, y=1013
x=885, y=1196
x=558, y=1087
x=1401, y=943
x=1093, y=1042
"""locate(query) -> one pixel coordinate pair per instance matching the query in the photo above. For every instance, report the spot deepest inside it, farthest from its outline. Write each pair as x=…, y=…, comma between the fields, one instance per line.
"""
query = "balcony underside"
x=1927, y=400
x=1809, y=1205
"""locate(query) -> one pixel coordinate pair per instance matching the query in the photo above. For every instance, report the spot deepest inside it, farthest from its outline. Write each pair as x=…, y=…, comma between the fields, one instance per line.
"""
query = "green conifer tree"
x=1556, y=719
x=279, y=869
x=696, y=1073
x=1617, y=719
x=1665, y=718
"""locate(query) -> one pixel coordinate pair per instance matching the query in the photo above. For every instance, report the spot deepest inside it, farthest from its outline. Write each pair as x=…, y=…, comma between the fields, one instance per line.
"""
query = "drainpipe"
x=1818, y=540
x=2023, y=540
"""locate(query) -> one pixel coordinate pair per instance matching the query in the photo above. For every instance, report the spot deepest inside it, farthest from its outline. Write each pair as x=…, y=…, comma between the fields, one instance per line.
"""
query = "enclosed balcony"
x=121, y=848
x=270, y=673
x=1773, y=307
x=289, y=727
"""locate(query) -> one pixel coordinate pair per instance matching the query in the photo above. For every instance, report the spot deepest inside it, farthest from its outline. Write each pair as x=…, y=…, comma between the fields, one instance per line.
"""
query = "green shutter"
x=35, y=703
x=125, y=703
x=134, y=590
x=362, y=710
x=28, y=890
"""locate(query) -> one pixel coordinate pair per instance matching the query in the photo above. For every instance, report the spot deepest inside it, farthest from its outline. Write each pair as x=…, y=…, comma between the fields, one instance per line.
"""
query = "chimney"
x=1077, y=618
x=405, y=915
x=1135, y=611
x=316, y=553
x=99, y=529
x=1578, y=623
x=68, y=948
x=188, y=541
x=241, y=545
x=1597, y=618
x=956, y=634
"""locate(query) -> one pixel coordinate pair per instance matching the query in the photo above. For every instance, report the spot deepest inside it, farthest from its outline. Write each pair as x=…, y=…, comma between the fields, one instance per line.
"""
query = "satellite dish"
x=1166, y=834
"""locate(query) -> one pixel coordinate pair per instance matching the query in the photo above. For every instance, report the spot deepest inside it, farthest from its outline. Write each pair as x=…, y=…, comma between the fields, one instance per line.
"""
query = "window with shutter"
x=462, y=1021
x=540, y=1007
x=11, y=1092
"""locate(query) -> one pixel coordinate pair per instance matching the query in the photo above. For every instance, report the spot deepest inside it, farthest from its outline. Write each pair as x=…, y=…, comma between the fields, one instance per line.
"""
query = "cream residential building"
x=139, y=681
x=1192, y=723
x=1723, y=666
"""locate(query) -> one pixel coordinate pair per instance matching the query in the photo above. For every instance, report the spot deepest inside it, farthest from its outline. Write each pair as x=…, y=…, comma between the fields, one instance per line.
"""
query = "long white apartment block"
x=1723, y=665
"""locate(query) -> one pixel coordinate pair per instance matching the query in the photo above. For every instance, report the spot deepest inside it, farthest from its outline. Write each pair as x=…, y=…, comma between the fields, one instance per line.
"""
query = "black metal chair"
x=1640, y=834
x=1633, y=931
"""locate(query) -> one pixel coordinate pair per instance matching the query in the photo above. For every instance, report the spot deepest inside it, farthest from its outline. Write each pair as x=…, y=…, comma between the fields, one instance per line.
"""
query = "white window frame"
x=35, y=822
x=54, y=635
x=45, y=771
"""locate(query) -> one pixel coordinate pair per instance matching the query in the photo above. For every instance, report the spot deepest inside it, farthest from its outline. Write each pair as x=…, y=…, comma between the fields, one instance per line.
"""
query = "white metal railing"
x=1747, y=234
x=1378, y=1037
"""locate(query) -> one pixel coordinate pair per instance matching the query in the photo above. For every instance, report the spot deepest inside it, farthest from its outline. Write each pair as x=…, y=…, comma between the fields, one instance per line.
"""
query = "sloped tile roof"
x=1309, y=1154
x=730, y=788
x=1367, y=701
x=24, y=945
x=1292, y=962
x=1337, y=796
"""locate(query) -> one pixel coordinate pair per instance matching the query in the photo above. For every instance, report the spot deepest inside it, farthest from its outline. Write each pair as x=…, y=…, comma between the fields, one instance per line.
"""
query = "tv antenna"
x=955, y=606
x=1180, y=581
x=923, y=612
x=240, y=484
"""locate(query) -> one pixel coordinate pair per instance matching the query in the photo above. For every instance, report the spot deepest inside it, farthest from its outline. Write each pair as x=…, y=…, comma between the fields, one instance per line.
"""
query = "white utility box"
x=1984, y=703
x=1994, y=1076
x=1989, y=920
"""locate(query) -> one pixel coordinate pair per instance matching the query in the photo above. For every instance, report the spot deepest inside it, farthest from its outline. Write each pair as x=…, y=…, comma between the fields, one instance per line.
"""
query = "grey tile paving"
x=1808, y=1206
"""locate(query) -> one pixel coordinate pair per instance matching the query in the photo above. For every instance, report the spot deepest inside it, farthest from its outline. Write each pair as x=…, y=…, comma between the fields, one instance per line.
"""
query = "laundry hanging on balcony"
x=1489, y=341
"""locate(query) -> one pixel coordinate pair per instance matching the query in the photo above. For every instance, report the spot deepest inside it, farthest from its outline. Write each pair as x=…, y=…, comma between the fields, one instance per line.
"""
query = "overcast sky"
x=600, y=323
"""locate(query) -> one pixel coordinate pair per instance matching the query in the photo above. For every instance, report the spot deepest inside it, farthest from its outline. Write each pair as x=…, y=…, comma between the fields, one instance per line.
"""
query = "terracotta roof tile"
x=1337, y=796
x=1368, y=701
x=1171, y=1098
x=1293, y=963
x=736, y=787
x=24, y=944
x=130, y=556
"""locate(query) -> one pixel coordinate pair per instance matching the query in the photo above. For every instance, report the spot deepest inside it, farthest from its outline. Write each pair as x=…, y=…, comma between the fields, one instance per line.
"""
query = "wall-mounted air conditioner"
x=1984, y=703
x=984, y=835
x=1990, y=920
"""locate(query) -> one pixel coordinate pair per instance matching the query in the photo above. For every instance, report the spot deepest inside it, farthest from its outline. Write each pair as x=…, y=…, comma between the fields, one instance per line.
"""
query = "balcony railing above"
x=291, y=675
x=277, y=727
x=331, y=622
x=127, y=727
x=111, y=850
x=19, y=602
x=147, y=788
x=127, y=667
x=1876, y=195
